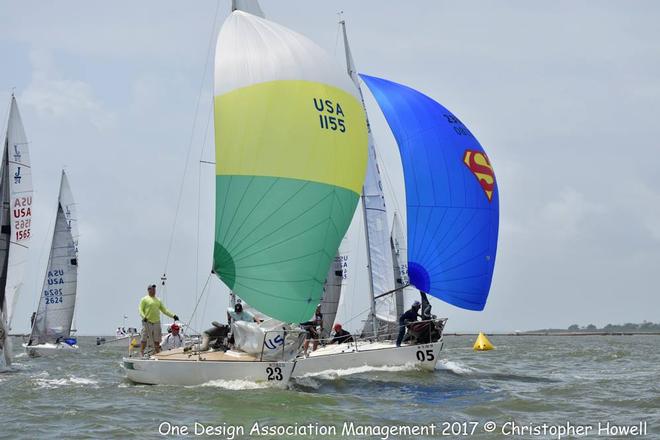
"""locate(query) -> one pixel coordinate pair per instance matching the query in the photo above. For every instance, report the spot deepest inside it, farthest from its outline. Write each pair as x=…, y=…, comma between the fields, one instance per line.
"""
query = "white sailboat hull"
x=49, y=349
x=372, y=354
x=196, y=372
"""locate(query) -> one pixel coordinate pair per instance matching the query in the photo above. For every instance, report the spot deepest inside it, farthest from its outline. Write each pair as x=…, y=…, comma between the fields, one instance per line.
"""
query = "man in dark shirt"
x=341, y=335
x=406, y=317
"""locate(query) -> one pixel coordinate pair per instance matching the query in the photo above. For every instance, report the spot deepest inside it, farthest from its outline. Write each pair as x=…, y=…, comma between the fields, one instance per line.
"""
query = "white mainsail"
x=408, y=294
x=19, y=179
x=335, y=283
x=15, y=217
x=379, y=252
x=58, y=296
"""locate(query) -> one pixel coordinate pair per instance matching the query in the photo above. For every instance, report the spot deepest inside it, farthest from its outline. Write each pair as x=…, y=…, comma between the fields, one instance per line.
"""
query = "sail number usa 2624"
x=54, y=295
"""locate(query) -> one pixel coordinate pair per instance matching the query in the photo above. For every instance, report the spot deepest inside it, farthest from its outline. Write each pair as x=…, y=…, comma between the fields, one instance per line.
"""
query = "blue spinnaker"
x=451, y=196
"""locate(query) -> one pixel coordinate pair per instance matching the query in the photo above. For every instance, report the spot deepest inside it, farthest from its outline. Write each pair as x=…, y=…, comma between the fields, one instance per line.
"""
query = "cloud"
x=566, y=216
x=67, y=100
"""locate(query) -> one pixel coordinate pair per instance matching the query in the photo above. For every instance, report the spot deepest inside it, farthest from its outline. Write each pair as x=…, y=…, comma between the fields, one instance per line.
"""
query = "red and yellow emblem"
x=479, y=164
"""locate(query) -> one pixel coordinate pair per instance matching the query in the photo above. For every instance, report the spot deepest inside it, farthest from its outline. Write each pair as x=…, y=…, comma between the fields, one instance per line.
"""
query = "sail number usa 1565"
x=22, y=214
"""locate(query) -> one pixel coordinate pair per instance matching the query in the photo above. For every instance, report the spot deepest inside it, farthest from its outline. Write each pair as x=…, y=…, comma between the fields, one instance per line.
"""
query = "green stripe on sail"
x=275, y=239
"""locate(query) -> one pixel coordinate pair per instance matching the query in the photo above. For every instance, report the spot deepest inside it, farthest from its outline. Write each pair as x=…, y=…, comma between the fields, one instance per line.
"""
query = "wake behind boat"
x=291, y=149
x=51, y=323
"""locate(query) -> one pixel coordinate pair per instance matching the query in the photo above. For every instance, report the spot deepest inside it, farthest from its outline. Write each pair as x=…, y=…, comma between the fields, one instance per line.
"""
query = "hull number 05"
x=425, y=355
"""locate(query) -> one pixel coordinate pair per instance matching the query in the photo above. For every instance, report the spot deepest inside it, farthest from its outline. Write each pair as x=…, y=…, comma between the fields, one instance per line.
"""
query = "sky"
x=563, y=95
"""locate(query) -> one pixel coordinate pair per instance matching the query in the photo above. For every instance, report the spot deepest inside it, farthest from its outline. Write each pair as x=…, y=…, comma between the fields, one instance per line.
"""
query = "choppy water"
x=529, y=380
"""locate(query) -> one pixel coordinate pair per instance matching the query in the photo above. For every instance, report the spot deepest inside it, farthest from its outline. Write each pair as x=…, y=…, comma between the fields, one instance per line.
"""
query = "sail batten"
x=451, y=197
x=290, y=162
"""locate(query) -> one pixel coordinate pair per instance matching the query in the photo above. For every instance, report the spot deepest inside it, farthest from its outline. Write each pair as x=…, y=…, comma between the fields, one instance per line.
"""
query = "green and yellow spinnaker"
x=291, y=154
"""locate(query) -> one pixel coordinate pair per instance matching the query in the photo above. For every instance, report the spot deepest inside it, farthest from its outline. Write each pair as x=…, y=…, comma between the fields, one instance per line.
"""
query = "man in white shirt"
x=173, y=339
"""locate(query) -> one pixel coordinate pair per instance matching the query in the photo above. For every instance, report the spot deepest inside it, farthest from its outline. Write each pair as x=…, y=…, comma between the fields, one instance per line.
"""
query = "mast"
x=5, y=359
x=374, y=210
x=350, y=67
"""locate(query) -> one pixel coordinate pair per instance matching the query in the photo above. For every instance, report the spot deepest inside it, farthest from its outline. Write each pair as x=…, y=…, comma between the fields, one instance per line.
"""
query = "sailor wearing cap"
x=405, y=318
x=173, y=338
x=150, y=310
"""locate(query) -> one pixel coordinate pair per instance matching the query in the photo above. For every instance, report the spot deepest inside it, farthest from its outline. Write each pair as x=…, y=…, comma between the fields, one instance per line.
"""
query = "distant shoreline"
x=558, y=334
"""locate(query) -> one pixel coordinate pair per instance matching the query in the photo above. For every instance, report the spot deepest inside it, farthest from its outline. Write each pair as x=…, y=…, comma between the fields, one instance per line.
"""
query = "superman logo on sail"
x=480, y=166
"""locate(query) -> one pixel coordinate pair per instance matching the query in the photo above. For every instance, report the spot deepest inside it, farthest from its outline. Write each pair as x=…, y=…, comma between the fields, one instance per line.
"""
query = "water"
x=529, y=380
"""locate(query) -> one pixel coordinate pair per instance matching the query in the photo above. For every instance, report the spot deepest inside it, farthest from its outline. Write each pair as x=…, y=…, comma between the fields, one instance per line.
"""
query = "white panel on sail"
x=240, y=48
x=249, y=6
x=20, y=206
x=58, y=295
x=354, y=304
x=380, y=252
x=334, y=287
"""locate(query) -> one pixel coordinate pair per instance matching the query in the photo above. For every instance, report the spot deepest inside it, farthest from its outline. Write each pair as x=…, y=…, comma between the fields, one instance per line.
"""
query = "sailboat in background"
x=51, y=326
x=291, y=149
x=15, y=223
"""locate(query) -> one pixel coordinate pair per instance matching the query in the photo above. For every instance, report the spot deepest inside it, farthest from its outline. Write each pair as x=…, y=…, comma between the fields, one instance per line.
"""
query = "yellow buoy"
x=482, y=343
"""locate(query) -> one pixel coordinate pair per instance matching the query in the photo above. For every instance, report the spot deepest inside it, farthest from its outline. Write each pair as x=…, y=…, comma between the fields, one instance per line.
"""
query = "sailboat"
x=15, y=223
x=51, y=326
x=453, y=212
x=291, y=154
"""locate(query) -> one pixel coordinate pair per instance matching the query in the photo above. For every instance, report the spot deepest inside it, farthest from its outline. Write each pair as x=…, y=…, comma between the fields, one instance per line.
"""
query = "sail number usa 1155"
x=331, y=115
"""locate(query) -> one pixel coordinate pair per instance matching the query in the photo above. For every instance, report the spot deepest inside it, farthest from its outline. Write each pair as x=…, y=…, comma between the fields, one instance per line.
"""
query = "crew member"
x=405, y=318
x=238, y=314
x=173, y=339
x=313, y=329
x=341, y=335
x=150, y=309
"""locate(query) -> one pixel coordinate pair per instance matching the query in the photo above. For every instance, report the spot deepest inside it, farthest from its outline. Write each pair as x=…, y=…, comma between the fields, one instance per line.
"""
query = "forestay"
x=58, y=295
x=451, y=196
x=291, y=153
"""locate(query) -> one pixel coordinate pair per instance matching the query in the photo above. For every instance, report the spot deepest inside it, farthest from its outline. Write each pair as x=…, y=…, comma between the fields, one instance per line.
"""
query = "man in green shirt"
x=150, y=309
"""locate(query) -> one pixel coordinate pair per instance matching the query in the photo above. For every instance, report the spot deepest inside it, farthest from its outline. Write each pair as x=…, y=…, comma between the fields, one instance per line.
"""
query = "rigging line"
x=37, y=299
x=192, y=136
x=5, y=120
x=199, y=202
x=390, y=184
x=340, y=15
x=208, y=278
x=206, y=304
x=389, y=292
